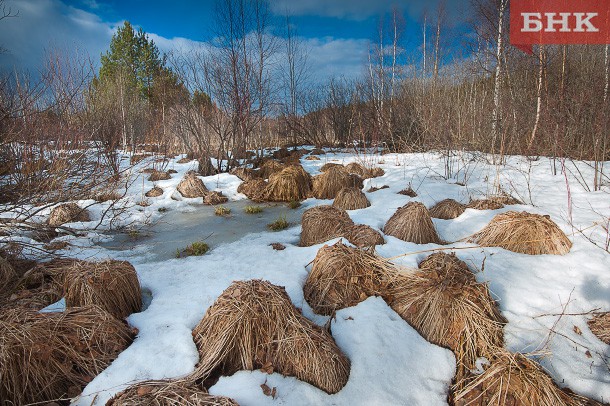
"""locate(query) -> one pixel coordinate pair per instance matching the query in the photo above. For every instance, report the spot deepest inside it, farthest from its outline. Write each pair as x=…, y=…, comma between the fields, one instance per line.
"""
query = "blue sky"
x=337, y=32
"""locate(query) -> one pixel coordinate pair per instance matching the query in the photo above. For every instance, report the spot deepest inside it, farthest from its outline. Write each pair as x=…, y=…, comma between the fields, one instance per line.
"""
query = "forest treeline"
x=249, y=89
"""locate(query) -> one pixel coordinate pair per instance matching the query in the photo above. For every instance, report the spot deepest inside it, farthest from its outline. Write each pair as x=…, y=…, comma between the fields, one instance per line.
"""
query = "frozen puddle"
x=177, y=229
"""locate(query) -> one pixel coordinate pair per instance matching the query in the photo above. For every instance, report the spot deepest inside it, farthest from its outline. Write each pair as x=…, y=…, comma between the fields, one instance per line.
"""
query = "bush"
x=279, y=224
x=222, y=211
x=253, y=209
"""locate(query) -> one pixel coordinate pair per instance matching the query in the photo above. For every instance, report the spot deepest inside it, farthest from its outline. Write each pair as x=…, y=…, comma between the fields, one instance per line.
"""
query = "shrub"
x=196, y=249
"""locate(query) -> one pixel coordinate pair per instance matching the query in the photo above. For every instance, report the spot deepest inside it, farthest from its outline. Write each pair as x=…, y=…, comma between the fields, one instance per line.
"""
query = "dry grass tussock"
x=351, y=198
x=168, y=393
x=513, y=379
x=254, y=325
x=342, y=276
x=312, y=158
x=323, y=223
x=253, y=189
x=363, y=236
x=600, y=326
x=448, y=307
x=328, y=184
x=447, y=209
x=214, y=198
x=191, y=186
x=408, y=192
x=156, y=176
x=291, y=184
x=412, y=223
x=110, y=285
x=484, y=204
x=243, y=173
x=154, y=192
x=329, y=165
x=358, y=169
x=67, y=213
x=50, y=356
x=270, y=167
x=525, y=233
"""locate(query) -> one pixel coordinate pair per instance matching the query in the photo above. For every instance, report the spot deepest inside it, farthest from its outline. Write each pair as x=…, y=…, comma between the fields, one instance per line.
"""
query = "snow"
x=543, y=297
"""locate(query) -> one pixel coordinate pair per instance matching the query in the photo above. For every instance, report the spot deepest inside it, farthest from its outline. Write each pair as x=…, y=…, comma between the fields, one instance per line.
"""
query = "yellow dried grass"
x=351, y=198
x=600, y=326
x=342, y=276
x=7, y=275
x=253, y=189
x=67, y=213
x=254, y=325
x=154, y=192
x=214, y=198
x=525, y=233
x=363, y=236
x=513, y=379
x=181, y=392
x=329, y=165
x=110, y=285
x=291, y=184
x=412, y=223
x=323, y=223
x=447, y=209
x=270, y=167
x=191, y=186
x=358, y=169
x=329, y=183
x=448, y=307
x=45, y=357
x=485, y=204
x=156, y=175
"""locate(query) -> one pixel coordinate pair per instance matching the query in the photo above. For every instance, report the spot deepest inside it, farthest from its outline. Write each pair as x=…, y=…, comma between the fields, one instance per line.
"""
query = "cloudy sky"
x=337, y=32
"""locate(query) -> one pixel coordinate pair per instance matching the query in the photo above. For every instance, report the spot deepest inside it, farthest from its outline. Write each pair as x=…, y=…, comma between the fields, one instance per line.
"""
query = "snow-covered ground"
x=391, y=364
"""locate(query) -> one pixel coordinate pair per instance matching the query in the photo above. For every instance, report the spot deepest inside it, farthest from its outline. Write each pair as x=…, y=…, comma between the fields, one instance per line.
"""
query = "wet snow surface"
x=391, y=364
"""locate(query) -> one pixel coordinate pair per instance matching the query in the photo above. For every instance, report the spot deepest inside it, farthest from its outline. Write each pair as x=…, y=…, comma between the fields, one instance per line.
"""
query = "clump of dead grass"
x=363, y=236
x=484, y=204
x=45, y=357
x=270, y=167
x=312, y=158
x=358, y=169
x=323, y=223
x=514, y=379
x=342, y=276
x=67, y=213
x=7, y=275
x=243, y=173
x=600, y=326
x=329, y=165
x=351, y=198
x=253, y=189
x=412, y=223
x=525, y=233
x=408, y=191
x=376, y=172
x=110, y=285
x=328, y=184
x=156, y=176
x=154, y=192
x=447, y=209
x=292, y=183
x=214, y=198
x=181, y=392
x=254, y=325
x=448, y=307
x=191, y=186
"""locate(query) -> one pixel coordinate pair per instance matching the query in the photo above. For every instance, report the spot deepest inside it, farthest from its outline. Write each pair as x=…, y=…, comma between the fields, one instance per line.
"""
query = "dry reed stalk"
x=291, y=184
x=323, y=223
x=154, y=192
x=515, y=380
x=45, y=357
x=214, y=198
x=447, y=209
x=253, y=189
x=448, y=307
x=191, y=186
x=181, y=392
x=363, y=236
x=329, y=165
x=600, y=326
x=412, y=223
x=110, y=285
x=67, y=213
x=159, y=175
x=254, y=325
x=342, y=276
x=329, y=183
x=351, y=198
x=525, y=233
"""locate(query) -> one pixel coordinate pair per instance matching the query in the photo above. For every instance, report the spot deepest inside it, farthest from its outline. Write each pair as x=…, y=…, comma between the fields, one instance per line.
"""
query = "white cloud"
x=332, y=57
